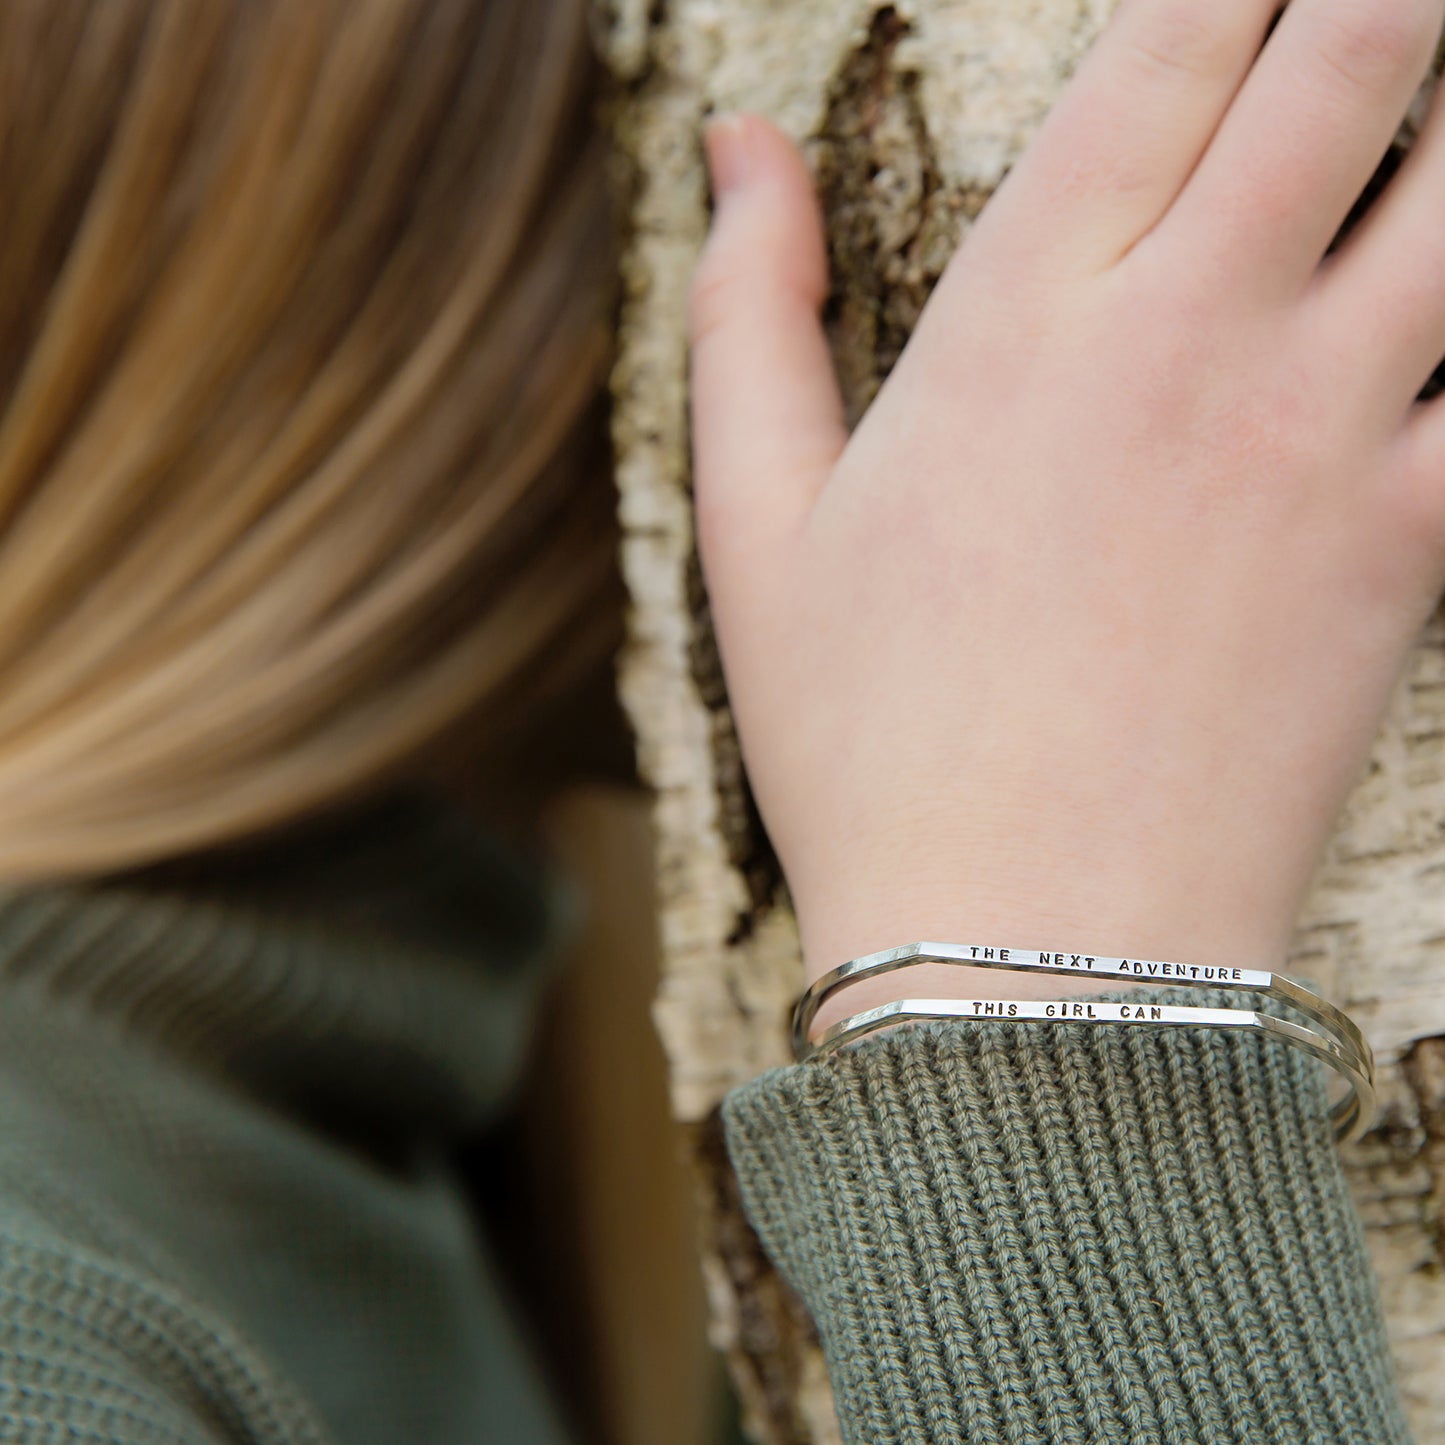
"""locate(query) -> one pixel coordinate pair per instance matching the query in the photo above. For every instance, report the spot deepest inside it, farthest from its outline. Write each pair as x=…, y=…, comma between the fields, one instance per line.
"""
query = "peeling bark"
x=911, y=114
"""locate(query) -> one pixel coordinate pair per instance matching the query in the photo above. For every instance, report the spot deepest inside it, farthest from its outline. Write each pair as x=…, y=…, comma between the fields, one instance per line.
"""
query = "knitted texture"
x=1072, y=1234
x=229, y=1093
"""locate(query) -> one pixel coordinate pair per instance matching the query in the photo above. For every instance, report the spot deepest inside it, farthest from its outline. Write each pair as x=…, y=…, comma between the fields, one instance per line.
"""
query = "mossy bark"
x=911, y=114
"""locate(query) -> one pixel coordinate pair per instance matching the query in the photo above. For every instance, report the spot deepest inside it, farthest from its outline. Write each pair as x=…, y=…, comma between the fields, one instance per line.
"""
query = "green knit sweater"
x=1079, y=1236
x=230, y=1093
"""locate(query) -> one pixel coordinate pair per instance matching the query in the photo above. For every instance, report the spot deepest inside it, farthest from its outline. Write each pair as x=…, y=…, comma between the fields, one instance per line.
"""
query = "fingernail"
x=725, y=141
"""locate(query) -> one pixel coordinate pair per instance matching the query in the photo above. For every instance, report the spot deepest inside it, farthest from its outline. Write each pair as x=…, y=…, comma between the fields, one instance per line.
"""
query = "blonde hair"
x=303, y=313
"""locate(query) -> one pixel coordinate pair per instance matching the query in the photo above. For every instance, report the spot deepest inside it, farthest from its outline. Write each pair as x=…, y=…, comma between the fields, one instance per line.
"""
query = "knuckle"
x=712, y=296
x=1180, y=40
x=724, y=525
x=1366, y=43
x=1412, y=507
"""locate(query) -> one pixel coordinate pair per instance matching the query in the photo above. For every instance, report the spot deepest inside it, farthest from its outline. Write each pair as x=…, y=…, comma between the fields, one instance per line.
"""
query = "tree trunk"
x=912, y=113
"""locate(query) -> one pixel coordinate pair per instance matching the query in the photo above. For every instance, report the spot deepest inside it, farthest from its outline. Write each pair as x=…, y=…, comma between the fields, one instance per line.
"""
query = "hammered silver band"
x=1330, y=1034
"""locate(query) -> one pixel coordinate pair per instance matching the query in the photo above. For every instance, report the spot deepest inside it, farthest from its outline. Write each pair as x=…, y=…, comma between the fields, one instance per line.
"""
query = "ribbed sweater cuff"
x=1072, y=1234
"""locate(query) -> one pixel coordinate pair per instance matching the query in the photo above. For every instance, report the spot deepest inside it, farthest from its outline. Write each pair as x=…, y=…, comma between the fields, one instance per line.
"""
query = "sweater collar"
x=376, y=971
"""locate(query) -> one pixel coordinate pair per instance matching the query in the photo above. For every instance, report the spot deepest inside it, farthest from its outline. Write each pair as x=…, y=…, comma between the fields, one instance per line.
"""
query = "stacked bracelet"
x=1326, y=1032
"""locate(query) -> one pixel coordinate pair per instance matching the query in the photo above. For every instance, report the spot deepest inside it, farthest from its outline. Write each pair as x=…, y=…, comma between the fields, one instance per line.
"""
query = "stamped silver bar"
x=1351, y=1114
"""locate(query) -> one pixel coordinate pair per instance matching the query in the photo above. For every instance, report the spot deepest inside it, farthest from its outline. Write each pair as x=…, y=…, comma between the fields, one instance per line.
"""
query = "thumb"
x=767, y=417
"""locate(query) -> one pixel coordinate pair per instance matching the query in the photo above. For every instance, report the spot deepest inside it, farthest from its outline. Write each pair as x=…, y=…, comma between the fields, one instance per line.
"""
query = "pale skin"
x=1080, y=640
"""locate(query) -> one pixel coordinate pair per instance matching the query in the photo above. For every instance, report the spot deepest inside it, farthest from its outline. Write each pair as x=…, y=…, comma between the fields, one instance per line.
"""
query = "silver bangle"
x=1334, y=1039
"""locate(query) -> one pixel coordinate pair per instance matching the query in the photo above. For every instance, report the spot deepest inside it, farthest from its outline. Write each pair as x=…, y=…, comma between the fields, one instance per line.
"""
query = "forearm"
x=1071, y=1235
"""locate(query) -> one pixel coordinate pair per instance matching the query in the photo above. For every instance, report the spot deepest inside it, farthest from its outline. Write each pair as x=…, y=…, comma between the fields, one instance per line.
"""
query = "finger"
x=1121, y=141
x=1379, y=294
x=1299, y=144
x=767, y=418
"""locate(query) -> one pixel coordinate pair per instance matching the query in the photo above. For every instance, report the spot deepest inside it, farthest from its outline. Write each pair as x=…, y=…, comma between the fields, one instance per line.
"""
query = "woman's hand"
x=1080, y=640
